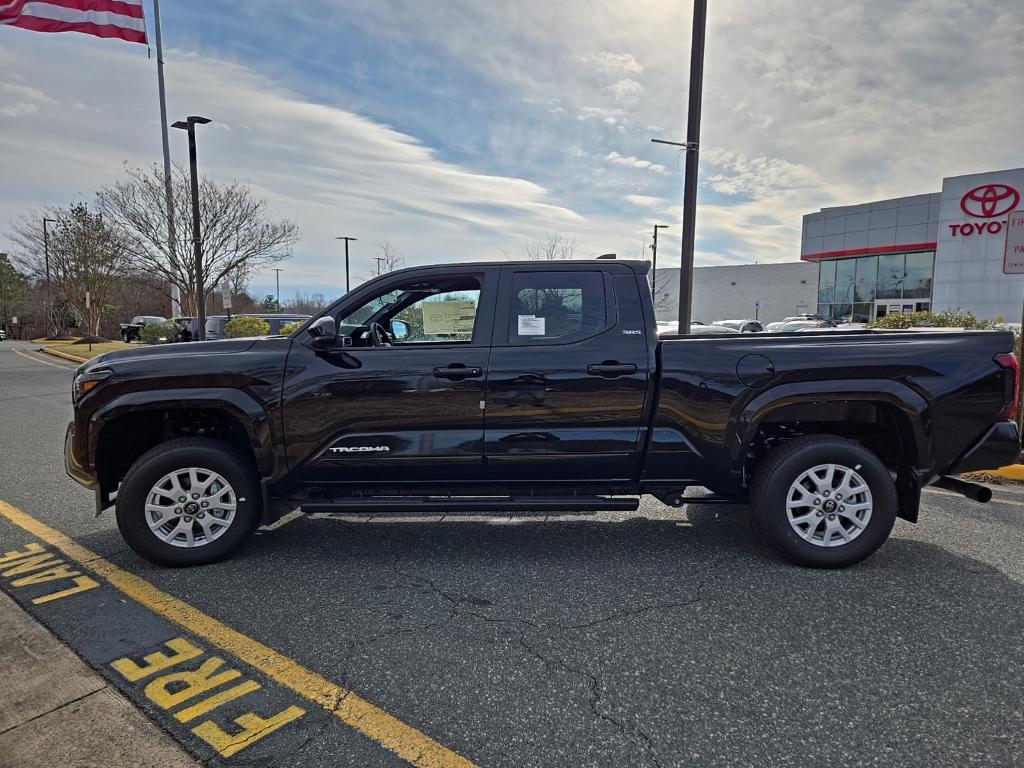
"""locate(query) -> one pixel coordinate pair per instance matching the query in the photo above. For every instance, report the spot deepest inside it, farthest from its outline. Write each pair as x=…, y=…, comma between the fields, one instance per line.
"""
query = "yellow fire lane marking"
x=413, y=746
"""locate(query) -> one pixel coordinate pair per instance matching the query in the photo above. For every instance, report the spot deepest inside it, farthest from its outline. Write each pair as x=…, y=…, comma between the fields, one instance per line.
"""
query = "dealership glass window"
x=826, y=282
x=918, y=284
x=862, y=312
x=846, y=274
x=841, y=312
x=891, y=274
x=867, y=277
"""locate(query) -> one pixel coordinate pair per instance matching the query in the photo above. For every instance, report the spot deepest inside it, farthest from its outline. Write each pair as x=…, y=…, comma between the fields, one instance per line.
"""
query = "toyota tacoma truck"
x=130, y=331
x=504, y=387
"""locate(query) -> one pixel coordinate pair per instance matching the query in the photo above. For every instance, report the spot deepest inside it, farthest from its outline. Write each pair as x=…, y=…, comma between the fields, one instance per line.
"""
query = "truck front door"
x=409, y=410
x=567, y=376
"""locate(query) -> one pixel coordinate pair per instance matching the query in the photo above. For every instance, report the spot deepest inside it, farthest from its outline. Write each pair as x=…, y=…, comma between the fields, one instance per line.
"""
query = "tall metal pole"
x=197, y=242
x=172, y=241
x=700, y=12
x=277, y=277
x=46, y=257
x=346, y=239
x=654, y=264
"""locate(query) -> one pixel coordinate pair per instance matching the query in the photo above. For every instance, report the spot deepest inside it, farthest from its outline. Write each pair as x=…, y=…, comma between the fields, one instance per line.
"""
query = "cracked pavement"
x=658, y=638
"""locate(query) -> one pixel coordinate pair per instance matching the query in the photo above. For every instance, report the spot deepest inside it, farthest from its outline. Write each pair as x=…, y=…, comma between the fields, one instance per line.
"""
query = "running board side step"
x=457, y=504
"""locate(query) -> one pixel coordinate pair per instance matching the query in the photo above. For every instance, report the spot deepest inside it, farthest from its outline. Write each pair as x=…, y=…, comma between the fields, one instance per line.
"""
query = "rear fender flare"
x=891, y=393
x=247, y=411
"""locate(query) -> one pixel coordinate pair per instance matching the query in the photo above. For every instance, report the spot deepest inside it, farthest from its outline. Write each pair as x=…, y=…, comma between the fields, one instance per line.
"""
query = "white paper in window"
x=531, y=325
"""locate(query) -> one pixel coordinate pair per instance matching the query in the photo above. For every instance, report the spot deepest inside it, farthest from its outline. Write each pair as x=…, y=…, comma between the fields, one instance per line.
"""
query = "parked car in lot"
x=130, y=331
x=773, y=327
x=743, y=326
x=215, y=325
x=536, y=387
x=804, y=325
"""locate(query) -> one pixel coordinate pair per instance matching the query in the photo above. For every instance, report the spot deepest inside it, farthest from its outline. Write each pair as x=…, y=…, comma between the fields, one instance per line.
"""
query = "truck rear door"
x=568, y=375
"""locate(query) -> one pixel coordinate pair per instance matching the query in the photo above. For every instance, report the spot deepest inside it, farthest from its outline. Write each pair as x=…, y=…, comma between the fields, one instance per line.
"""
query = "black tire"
x=236, y=468
x=778, y=472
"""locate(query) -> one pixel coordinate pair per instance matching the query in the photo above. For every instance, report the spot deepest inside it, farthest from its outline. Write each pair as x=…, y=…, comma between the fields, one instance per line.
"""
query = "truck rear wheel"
x=824, y=501
x=188, y=501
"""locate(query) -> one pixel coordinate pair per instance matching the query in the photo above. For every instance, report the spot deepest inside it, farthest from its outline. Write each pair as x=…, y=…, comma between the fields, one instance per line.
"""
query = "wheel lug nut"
x=182, y=498
x=817, y=502
x=195, y=495
x=820, y=513
x=842, y=509
x=204, y=504
x=188, y=519
x=831, y=517
x=825, y=494
x=201, y=515
x=177, y=510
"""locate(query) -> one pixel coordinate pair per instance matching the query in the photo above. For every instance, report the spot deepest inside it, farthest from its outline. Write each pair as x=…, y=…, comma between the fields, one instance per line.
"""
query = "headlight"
x=86, y=382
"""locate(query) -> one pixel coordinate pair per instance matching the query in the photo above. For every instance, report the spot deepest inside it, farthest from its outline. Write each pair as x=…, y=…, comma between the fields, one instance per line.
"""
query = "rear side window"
x=556, y=307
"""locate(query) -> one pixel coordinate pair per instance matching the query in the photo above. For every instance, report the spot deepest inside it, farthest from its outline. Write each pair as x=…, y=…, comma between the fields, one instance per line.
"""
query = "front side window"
x=556, y=307
x=442, y=317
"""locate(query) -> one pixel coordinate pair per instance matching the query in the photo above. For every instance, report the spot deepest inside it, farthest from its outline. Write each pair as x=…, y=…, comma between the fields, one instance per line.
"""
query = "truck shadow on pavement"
x=639, y=642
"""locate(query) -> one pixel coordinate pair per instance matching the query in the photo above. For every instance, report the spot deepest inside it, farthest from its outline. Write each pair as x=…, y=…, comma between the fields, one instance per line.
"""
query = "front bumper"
x=996, y=448
x=76, y=471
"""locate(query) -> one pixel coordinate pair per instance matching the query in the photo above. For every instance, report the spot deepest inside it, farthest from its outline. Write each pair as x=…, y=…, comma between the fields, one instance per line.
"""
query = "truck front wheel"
x=189, y=501
x=824, y=501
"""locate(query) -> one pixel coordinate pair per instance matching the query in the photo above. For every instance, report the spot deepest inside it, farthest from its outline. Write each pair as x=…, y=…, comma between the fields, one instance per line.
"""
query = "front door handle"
x=611, y=369
x=458, y=371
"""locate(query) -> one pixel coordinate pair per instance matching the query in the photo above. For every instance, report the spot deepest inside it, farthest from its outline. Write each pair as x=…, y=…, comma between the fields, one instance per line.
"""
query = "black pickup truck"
x=536, y=387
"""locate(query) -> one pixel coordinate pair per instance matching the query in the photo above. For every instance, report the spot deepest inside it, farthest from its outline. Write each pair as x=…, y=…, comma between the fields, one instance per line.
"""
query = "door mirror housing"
x=399, y=329
x=324, y=333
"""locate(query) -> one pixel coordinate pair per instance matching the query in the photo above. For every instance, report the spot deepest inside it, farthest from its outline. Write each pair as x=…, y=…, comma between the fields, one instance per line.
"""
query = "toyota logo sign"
x=989, y=201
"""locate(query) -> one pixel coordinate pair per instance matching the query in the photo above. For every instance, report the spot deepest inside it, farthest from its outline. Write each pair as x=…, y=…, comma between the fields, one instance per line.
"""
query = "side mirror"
x=399, y=329
x=324, y=333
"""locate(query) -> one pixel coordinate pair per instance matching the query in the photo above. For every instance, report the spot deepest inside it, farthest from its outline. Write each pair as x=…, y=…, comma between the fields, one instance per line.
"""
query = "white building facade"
x=955, y=249
x=765, y=292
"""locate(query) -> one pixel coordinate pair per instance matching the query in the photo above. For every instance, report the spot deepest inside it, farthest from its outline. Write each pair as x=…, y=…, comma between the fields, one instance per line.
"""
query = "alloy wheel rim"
x=829, y=505
x=190, y=507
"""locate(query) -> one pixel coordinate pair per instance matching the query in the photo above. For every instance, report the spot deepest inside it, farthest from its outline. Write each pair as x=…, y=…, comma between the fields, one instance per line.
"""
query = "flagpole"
x=172, y=241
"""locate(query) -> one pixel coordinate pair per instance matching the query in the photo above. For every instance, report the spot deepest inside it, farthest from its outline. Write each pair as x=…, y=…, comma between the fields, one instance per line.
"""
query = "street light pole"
x=654, y=264
x=379, y=260
x=692, y=145
x=46, y=257
x=346, y=239
x=277, y=277
x=189, y=124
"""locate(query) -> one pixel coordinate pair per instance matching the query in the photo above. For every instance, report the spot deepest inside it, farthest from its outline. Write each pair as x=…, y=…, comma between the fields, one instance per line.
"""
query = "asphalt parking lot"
x=658, y=638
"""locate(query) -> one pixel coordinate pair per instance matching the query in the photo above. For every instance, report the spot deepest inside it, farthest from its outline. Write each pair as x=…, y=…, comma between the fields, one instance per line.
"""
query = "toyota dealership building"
x=961, y=248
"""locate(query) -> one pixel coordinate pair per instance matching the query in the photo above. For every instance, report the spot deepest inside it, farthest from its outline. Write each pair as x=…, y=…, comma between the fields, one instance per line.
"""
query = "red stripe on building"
x=37, y=24
x=869, y=251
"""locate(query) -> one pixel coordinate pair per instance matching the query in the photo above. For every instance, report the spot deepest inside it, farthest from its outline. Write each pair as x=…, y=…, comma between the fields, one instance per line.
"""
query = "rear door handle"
x=610, y=370
x=458, y=371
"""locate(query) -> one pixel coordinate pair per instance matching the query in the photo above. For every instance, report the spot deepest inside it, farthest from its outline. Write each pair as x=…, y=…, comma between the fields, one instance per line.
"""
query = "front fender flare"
x=249, y=412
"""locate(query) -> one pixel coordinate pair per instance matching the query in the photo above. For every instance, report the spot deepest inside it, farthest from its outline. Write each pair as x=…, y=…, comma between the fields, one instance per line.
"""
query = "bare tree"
x=552, y=248
x=388, y=258
x=87, y=260
x=236, y=231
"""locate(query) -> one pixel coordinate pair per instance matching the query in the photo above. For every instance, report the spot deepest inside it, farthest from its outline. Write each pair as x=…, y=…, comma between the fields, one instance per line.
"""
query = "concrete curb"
x=65, y=355
x=58, y=711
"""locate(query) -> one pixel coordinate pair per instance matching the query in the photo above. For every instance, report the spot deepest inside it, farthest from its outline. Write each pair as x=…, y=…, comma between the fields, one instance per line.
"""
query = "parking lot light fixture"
x=189, y=124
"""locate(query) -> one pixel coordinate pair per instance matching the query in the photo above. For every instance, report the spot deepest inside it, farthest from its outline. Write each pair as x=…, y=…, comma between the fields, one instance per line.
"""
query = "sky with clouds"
x=458, y=130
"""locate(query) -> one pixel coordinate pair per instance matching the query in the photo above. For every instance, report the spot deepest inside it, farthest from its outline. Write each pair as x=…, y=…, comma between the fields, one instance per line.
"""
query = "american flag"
x=102, y=18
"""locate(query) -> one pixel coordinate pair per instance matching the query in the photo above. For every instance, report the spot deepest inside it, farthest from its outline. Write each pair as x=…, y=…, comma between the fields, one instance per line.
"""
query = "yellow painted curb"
x=65, y=355
x=1010, y=472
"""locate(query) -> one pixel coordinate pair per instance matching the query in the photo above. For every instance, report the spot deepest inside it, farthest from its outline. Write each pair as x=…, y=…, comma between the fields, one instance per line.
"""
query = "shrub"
x=957, y=319
x=246, y=325
x=294, y=325
x=158, y=333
